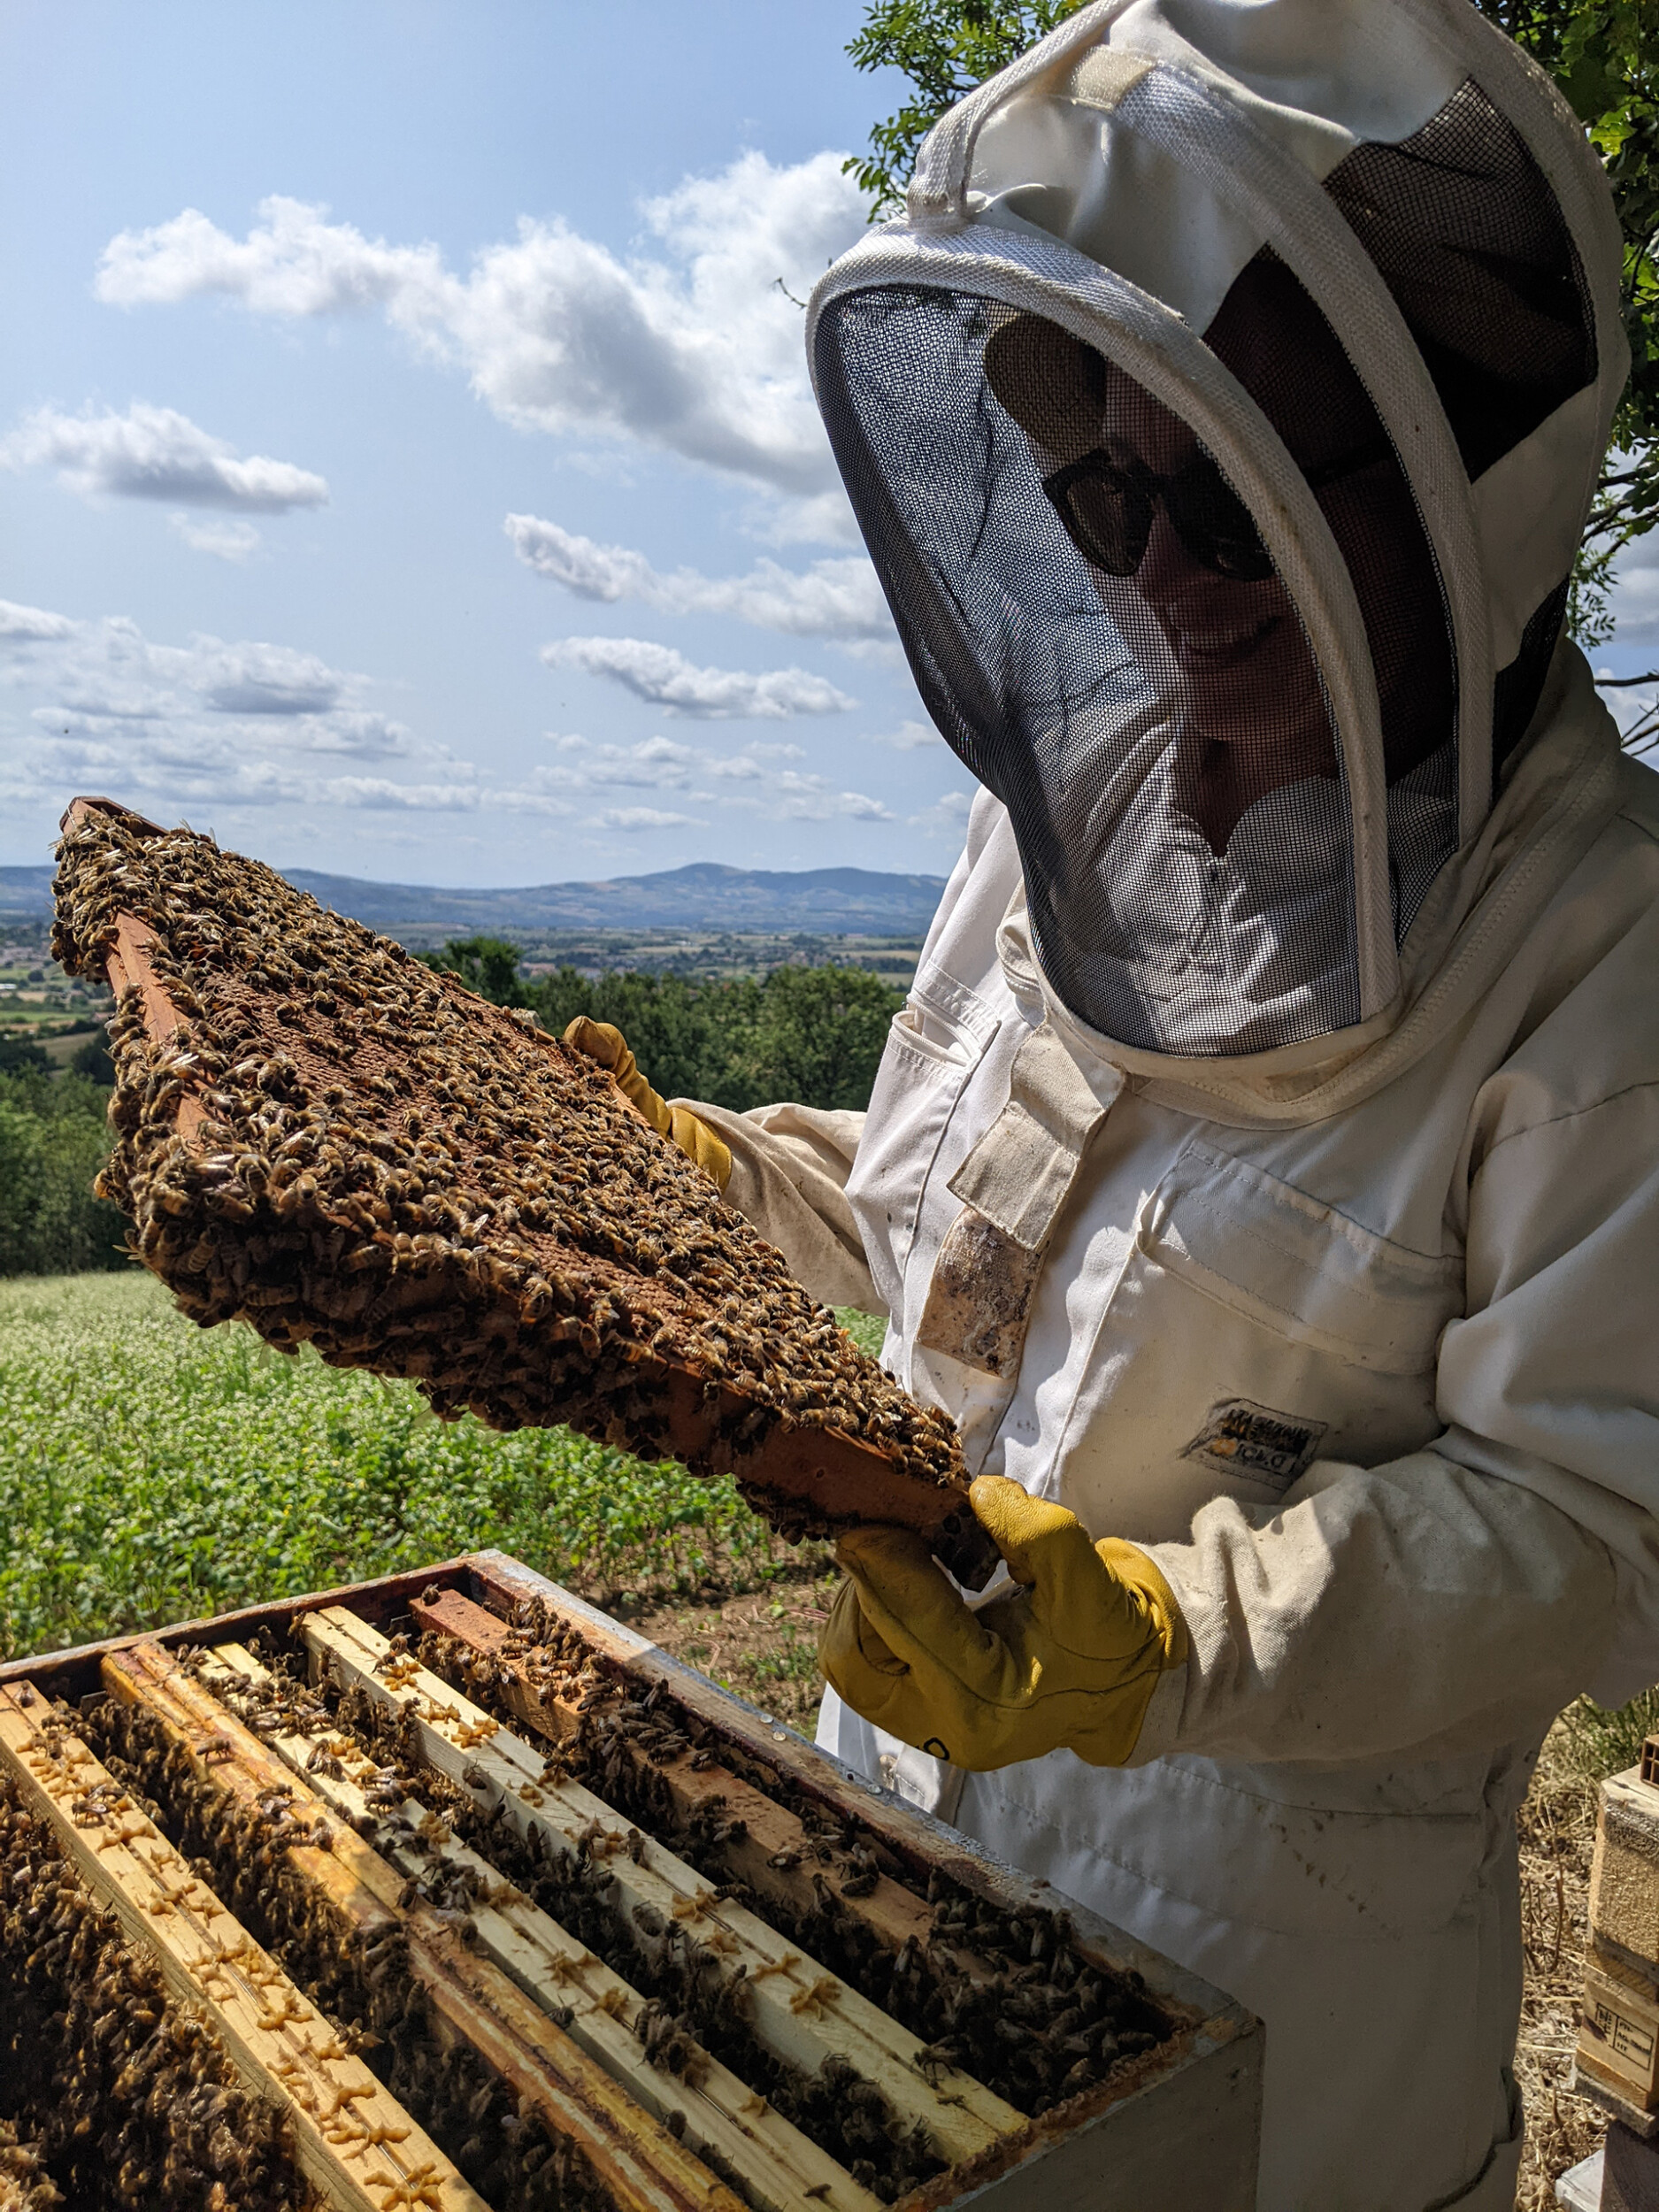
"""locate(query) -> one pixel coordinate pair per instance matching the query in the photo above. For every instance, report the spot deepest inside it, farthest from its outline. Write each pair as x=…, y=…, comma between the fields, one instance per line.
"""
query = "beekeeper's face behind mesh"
x=1165, y=534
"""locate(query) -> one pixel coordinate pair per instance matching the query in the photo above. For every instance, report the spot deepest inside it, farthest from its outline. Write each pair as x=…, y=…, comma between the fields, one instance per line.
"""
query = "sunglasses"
x=1107, y=507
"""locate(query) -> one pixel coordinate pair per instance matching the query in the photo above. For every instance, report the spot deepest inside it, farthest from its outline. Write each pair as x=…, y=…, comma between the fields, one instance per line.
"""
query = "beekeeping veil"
x=1222, y=419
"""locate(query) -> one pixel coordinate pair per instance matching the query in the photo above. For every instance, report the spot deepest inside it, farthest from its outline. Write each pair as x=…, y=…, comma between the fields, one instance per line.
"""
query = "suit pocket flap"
x=1299, y=1267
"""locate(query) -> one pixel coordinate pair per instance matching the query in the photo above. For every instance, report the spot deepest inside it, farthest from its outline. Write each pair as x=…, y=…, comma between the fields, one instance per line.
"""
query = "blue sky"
x=409, y=464
x=408, y=461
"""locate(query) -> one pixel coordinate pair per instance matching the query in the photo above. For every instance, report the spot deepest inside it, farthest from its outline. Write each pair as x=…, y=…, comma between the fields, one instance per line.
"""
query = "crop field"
x=150, y=1471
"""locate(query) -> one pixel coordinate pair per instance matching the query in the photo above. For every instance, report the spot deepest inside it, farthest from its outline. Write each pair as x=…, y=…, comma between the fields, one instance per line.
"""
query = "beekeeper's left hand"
x=1071, y=1660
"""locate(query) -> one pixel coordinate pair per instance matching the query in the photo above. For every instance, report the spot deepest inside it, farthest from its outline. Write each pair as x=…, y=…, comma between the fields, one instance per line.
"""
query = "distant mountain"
x=831, y=902
x=704, y=896
x=26, y=894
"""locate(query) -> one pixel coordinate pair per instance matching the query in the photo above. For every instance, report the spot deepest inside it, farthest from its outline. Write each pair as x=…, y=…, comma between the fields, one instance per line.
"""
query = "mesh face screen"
x=1468, y=236
x=1161, y=737
x=1098, y=631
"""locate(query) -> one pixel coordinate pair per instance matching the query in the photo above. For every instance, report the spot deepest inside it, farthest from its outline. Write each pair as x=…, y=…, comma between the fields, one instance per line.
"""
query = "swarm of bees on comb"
x=488, y=1910
x=320, y=1136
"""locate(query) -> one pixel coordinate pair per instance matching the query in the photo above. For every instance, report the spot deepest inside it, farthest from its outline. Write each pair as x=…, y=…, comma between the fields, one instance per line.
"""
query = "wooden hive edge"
x=77, y=1665
x=1212, y=2065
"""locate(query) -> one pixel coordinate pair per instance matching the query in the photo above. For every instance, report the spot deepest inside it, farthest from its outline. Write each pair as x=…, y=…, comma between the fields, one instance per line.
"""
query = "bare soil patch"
x=764, y=1644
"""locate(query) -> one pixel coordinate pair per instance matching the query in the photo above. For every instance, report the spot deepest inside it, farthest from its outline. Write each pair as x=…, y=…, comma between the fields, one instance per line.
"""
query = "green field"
x=150, y=1471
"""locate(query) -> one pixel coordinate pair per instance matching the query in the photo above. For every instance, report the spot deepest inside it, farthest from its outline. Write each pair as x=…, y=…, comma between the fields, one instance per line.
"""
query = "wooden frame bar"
x=797, y=2010
x=637, y=2161
x=353, y=2141
x=775, y=1856
x=783, y=2169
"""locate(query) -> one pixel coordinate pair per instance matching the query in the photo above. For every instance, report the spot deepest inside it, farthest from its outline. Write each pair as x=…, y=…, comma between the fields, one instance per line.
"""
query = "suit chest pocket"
x=937, y=1040
x=1251, y=1330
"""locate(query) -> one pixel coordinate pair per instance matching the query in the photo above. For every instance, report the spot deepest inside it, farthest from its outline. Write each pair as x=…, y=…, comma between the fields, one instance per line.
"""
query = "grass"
x=150, y=1471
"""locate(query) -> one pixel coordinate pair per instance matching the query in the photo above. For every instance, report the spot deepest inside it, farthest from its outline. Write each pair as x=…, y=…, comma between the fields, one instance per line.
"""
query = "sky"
x=408, y=461
x=408, y=467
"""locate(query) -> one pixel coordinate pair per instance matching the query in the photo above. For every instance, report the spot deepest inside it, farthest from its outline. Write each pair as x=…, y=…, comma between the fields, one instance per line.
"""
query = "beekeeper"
x=1262, y=1172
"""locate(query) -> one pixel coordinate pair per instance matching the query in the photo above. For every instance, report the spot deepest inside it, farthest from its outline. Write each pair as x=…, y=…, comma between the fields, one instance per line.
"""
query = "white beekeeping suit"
x=1263, y=1165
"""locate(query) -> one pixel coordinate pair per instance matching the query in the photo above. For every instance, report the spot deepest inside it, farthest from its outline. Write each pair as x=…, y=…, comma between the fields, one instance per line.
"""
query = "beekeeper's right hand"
x=604, y=1043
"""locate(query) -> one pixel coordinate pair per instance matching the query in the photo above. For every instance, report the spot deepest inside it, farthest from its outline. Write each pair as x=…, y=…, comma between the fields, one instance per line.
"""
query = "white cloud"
x=657, y=764
x=1633, y=602
x=910, y=737
x=836, y=598
x=666, y=678
x=156, y=453
x=295, y=264
x=225, y=541
x=694, y=350
x=641, y=818
x=780, y=793
x=32, y=624
x=255, y=724
x=252, y=723
x=796, y=796
x=378, y=791
x=362, y=733
x=791, y=795
x=826, y=517
x=264, y=680
x=947, y=818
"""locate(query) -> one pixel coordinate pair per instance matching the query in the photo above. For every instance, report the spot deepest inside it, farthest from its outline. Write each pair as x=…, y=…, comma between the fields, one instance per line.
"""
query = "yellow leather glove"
x=604, y=1043
x=1071, y=1660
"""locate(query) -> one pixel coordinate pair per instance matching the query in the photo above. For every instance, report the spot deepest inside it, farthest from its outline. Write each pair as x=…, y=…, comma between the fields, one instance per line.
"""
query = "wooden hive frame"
x=322, y=1138
x=385, y=1745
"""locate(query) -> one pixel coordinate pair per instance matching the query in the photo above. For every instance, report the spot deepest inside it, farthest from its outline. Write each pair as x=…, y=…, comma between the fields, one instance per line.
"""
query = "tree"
x=819, y=1035
x=811, y=1035
x=53, y=1140
x=92, y=1060
x=1604, y=55
x=21, y=1056
x=488, y=965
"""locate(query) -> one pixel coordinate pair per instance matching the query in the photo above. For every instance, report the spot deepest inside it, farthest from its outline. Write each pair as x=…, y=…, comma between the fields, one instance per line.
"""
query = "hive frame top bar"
x=498, y=1582
x=1201, y=2083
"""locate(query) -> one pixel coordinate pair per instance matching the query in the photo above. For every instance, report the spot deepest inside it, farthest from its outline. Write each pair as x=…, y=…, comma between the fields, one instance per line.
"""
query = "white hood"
x=1222, y=418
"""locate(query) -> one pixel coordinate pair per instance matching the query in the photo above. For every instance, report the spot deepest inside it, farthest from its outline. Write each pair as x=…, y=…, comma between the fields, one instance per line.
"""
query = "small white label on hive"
x=1620, y=2031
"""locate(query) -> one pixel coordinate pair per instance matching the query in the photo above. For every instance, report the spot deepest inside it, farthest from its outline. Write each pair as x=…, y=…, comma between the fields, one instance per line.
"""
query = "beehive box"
x=1617, y=2062
x=450, y=1890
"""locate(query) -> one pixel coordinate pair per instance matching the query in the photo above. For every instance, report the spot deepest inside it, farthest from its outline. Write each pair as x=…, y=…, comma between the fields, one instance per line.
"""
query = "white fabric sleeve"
x=1416, y=1606
x=790, y=1170
x=1463, y=1594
